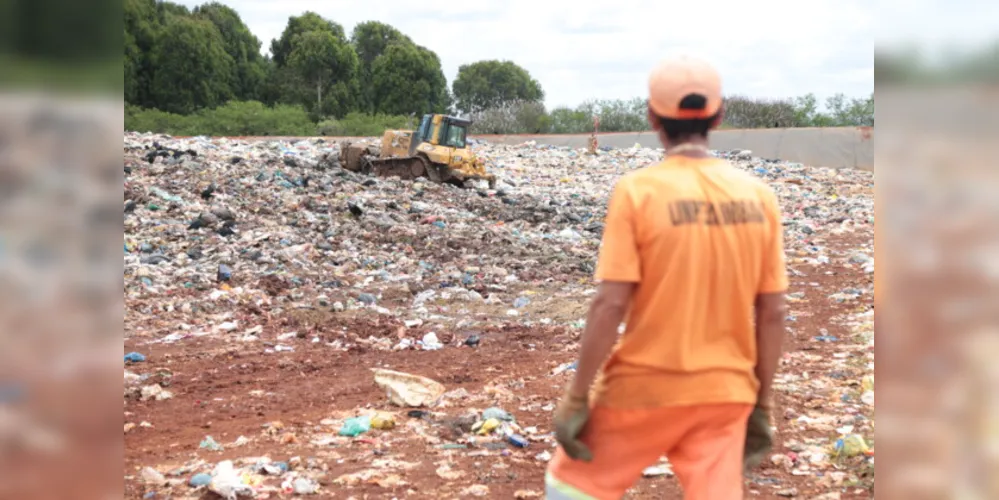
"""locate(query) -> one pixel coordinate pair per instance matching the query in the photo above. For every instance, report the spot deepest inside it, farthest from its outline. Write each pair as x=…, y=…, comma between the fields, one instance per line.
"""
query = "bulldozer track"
x=409, y=168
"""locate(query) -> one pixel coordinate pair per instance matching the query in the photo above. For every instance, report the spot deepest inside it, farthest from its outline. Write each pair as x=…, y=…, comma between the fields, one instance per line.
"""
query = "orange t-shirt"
x=700, y=239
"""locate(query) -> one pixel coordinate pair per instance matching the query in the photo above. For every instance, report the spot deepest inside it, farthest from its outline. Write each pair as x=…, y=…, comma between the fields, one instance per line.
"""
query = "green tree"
x=617, y=115
x=745, y=112
x=571, y=121
x=860, y=112
x=837, y=106
x=842, y=111
x=168, y=10
x=241, y=45
x=328, y=64
x=806, y=110
x=407, y=79
x=142, y=27
x=489, y=84
x=193, y=70
x=131, y=68
x=297, y=25
x=271, y=90
x=370, y=39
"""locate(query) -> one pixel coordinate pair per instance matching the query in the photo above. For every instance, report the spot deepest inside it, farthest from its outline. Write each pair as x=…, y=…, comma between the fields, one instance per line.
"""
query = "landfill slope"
x=263, y=284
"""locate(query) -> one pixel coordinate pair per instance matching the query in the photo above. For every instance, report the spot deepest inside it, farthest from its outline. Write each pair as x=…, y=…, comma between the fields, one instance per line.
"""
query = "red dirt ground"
x=212, y=382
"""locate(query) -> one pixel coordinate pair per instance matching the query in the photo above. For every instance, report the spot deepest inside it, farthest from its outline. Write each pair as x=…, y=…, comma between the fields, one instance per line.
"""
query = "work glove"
x=759, y=438
x=570, y=418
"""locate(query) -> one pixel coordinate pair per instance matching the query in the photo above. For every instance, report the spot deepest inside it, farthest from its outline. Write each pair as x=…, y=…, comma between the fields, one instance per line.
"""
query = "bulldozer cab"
x=440, y=130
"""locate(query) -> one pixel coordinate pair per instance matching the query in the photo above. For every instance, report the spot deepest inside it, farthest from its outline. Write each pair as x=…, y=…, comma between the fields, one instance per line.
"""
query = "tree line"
x=201, y=71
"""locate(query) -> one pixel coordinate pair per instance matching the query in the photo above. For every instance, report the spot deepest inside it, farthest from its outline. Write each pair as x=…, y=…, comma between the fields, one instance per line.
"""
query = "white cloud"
x=584, y=49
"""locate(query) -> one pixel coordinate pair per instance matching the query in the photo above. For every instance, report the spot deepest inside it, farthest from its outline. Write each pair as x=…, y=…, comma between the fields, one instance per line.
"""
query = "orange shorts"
x=704, y=445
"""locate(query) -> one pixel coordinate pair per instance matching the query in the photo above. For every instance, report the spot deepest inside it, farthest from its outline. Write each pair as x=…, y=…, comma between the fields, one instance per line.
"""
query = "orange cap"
x=678, y=77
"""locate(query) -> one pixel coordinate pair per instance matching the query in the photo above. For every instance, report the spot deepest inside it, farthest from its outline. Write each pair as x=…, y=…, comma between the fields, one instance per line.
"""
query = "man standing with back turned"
x=692, y=251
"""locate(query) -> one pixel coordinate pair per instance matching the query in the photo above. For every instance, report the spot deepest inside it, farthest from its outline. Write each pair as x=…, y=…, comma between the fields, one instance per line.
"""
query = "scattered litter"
x=486, y=427
x=497, y=414
x=304, y=486
x=383, y=421
x=850, y=445
x=564, y=367
x=404, y=389
x=430, y=342
x=478, y=490
x=518, y=440
x=134, y=357
x=152, y=477
x=199, y=480
x=227, y=483
x=155, y=391
x=446, y=473
x=356, y=426
x=210, y=444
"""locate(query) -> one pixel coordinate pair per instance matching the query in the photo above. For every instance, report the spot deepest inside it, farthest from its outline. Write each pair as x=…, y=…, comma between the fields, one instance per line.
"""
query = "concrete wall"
x=839, y=147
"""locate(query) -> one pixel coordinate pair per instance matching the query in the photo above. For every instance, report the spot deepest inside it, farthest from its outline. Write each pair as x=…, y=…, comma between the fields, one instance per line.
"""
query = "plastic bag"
x=404, y=389
x=356, y=426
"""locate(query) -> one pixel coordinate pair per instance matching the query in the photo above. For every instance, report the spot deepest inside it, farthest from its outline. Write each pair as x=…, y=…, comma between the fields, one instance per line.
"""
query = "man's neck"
x=696, y=148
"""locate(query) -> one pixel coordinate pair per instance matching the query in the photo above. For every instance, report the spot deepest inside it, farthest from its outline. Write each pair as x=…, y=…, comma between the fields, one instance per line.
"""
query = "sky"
x=584, y=49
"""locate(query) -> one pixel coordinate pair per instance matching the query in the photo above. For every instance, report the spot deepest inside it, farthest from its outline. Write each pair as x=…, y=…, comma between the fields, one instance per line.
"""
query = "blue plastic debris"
x=440, y=224
x=225, y=273
x=517, y=440
x=134, y=357
x=826, y=338
x=201, y=479
x=521, y=302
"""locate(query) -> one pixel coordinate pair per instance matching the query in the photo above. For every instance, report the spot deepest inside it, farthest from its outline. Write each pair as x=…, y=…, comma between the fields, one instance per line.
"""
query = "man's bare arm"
x=606, y=313
x=770, y=311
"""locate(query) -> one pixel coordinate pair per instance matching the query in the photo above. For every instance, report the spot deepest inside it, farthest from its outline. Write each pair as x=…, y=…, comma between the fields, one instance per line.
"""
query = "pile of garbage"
x=215, y=223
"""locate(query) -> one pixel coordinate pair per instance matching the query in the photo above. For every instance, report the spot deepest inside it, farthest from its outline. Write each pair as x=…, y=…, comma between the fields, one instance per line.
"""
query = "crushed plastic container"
x=356, y=426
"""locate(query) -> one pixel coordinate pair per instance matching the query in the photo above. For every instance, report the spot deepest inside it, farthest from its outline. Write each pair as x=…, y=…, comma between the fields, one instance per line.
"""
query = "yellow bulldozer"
x=437, y=149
